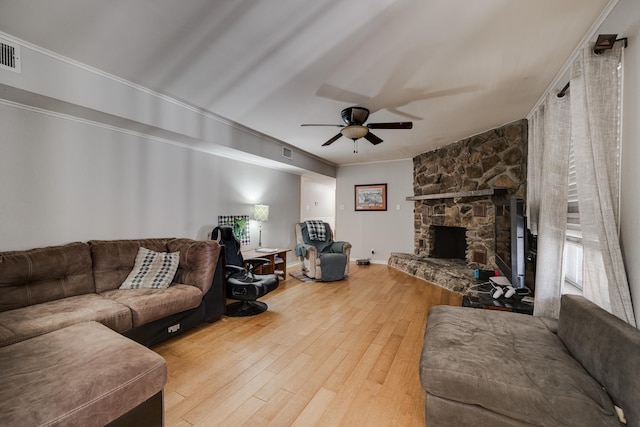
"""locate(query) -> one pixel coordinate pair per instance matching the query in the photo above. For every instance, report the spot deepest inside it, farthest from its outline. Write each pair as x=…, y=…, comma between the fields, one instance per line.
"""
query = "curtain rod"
x=564, y=90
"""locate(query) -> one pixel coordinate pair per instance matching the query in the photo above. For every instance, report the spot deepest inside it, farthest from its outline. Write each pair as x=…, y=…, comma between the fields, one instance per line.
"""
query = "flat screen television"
x=511, y=245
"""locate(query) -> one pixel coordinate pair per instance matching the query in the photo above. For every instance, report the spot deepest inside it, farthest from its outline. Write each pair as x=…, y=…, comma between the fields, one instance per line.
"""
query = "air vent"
x=287, y=153
x=9, y=56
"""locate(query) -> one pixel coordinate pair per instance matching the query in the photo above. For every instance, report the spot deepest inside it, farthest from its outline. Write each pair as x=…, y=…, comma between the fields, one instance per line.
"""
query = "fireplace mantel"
x=472, y=193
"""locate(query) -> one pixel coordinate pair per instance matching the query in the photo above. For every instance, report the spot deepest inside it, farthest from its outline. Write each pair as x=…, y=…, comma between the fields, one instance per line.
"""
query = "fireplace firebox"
x=449, y=242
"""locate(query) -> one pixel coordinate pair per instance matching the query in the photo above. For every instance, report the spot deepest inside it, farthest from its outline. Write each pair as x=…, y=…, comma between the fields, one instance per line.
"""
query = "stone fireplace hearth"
x=458, y=187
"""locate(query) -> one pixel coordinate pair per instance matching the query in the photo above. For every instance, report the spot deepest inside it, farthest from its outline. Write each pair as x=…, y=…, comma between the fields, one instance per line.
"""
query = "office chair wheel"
x=245, y=308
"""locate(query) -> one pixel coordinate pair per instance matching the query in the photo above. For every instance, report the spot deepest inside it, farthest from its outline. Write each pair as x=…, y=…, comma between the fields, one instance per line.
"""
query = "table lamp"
x=260, y=213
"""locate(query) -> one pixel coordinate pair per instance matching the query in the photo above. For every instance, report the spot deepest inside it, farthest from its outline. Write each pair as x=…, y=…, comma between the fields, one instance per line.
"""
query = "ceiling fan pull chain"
x=355, y=146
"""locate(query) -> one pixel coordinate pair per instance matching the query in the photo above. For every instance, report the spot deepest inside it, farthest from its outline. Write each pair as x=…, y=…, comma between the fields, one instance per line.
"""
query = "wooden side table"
x=277, y=261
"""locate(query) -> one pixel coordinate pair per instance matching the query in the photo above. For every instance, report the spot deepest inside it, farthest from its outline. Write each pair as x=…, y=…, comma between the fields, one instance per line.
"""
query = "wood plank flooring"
x=325, y=354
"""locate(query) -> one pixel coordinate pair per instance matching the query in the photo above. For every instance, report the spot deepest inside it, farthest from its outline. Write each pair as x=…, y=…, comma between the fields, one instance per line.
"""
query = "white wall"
x=625, y=21
x=318, y=200
x=386, y=231
x=85, y=155
x=55, y=83
x=64, y=179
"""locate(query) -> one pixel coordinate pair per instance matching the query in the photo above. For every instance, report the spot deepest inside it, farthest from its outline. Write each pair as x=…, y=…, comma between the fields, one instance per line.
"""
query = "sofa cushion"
x=27, y=322
x=44, y=274
x=151, y=269
x=610, y=354
x=113, y=259
x=148, y=305
x=511, y=364
x=82, y=375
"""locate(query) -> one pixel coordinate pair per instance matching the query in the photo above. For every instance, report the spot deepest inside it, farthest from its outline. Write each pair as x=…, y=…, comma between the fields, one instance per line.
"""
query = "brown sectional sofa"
x=50, y=297
x=45, y=289
x=493, y=368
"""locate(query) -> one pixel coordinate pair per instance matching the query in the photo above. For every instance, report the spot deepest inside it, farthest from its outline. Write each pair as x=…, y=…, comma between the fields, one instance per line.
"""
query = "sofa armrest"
x=303, y=250
x=253, y=263
x=198, y=259
x=340, y=247
x=312, y=255
x=234, y=269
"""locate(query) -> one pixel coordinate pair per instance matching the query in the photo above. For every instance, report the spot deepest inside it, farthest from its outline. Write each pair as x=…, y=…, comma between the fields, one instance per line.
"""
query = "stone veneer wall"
x=490, y=160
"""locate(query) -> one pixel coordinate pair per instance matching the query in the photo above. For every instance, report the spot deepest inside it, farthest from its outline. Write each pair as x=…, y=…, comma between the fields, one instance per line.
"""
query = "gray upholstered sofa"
x=491, y=368
x=65, y=353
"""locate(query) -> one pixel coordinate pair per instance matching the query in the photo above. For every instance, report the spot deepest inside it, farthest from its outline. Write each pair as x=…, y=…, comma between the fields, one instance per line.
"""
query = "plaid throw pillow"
x=316, y=230
x=154, y=270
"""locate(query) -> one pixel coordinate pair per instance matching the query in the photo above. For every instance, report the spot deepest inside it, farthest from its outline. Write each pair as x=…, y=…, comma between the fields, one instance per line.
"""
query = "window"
x=573, y=237
x=573, y=249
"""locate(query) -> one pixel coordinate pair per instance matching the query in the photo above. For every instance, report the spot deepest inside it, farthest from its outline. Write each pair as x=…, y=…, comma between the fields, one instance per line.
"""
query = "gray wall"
x=385, y=231
x=85, y=155
x=65, y=179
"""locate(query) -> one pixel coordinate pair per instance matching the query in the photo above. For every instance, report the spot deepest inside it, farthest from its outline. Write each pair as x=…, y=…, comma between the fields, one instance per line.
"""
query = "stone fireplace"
x=456, y=189
x=475, y=217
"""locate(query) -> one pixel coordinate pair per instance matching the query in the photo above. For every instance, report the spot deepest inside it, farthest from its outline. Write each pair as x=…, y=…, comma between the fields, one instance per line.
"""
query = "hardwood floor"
x=325, y=354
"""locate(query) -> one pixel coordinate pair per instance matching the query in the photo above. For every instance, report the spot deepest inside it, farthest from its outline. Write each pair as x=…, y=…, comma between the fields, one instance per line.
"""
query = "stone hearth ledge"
x=450, y=274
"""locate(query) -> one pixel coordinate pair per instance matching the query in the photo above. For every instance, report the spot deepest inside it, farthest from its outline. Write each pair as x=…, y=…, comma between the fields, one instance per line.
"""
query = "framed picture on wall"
x=240, y=224
x=371, y=197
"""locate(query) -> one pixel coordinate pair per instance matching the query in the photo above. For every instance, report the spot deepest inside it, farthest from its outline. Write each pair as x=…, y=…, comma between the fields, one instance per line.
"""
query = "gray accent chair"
x=310, y=253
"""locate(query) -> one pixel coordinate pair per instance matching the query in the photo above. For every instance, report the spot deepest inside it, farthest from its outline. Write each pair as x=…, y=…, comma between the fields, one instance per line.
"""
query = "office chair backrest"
x=223, y=234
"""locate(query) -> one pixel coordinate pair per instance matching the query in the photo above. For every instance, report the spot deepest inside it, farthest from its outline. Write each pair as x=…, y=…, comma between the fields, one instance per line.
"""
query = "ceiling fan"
x=354, y=118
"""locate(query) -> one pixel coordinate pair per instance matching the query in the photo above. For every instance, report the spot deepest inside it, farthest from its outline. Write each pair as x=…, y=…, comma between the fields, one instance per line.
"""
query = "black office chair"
x=242, y=284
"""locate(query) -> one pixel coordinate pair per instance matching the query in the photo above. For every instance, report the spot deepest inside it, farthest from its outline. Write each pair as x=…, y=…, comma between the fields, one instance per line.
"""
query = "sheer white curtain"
x=553, y=185
x=535, y=149
x=595, y=113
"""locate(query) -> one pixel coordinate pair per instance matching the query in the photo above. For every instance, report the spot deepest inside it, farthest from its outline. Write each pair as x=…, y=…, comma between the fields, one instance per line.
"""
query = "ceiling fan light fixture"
x=354, y=131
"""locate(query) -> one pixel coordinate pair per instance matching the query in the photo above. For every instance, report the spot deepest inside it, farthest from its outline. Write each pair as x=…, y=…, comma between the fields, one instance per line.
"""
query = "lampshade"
x=354, y=131
x=261, y=213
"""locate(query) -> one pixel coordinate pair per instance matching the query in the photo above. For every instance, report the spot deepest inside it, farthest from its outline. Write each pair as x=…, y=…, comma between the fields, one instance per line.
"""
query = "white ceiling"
x=453, y=67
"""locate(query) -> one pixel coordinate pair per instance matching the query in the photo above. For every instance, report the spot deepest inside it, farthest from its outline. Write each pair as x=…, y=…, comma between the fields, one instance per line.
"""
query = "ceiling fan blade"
x=395, y=125
x=342, y=95
x=372, y=138
x=403, y=114
x=332, y=140
x=320, y=124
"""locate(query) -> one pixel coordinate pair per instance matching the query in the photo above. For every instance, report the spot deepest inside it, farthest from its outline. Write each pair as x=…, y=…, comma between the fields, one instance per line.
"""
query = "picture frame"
x=240, y=225
x=370, y=197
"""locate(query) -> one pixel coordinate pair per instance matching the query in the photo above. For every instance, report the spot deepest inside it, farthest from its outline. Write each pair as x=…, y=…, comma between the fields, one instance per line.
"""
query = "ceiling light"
x=354, y=131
